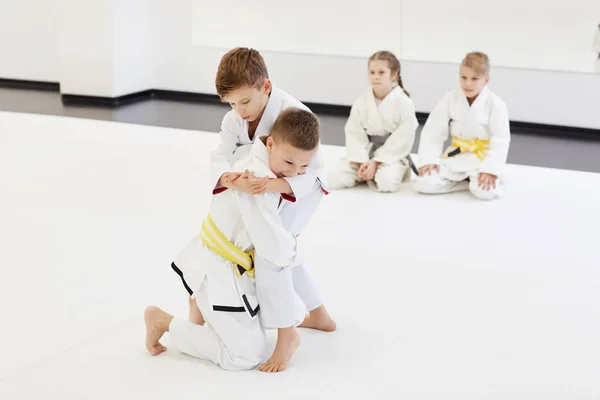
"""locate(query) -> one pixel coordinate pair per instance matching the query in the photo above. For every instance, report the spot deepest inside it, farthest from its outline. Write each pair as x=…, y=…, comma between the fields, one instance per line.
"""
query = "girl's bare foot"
x=195, y=316
x=319, y=319
x=157, y=323
x=288, y=341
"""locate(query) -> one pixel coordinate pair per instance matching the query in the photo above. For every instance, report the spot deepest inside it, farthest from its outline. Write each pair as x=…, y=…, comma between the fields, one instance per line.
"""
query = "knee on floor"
x=386, y=185
x=341, y=181
x=427, y=185
x=480, y=193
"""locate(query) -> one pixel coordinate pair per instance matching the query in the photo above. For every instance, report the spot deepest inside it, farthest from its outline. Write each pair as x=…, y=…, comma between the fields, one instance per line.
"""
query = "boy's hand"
x=486, y=181
x=428, y=169
x=250, y=184
x=227, y=178
x=367, y=170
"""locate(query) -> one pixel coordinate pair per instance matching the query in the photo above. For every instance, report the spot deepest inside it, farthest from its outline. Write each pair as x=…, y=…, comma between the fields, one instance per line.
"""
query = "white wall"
x=308, y=27
x=547, y=97
x=28, y=40
x=92, y=47
x=122, y=46
x=85, y=47
x=133, y=46
x=538, y=34
x=182, y=67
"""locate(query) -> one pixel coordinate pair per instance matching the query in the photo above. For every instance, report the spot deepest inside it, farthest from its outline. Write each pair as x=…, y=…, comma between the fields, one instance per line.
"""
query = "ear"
x=267, y=86
x=270, y=143
x=487, y=80
x=395, y=76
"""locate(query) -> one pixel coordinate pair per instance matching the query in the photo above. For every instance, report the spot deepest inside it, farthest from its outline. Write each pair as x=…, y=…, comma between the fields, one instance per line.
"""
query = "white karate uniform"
x=277, y=288
x=383, y=131
x=280, y=288
x=485, y=119
x=233, y=336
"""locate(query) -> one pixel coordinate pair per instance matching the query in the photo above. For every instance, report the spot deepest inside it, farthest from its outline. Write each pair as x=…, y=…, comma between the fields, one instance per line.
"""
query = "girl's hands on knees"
x=429, y=169
x=361, y=171
x=366, y=172
x=371, y=169
x=486, y=181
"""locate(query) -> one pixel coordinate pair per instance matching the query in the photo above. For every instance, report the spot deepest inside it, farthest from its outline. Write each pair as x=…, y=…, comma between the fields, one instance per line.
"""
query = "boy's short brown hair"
x=299, y=128
x=478, y=62
x=240, y=67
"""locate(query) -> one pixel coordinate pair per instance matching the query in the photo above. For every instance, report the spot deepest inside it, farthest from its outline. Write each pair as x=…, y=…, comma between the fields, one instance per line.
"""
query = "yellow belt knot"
x=476, y=146
x=214, y=239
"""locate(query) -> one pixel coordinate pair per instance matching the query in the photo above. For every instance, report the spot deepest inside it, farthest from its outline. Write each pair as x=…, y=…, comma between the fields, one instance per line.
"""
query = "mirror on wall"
x=531, y=34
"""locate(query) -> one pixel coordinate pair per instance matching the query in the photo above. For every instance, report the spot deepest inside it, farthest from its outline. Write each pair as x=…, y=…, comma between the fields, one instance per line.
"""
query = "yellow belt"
x=212, y=237
x=476, y=146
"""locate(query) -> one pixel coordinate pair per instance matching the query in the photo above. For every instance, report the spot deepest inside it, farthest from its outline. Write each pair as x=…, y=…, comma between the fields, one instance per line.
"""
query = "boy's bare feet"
x=195, y=316
x=157, y=323
x=319, y=319
x=288, y=341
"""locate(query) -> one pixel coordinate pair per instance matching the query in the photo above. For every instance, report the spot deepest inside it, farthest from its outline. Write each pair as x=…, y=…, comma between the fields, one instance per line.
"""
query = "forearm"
x=278, y=185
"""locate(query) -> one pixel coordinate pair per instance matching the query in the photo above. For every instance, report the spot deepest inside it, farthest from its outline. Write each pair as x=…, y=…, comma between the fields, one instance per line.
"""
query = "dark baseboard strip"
x=105, y=102
x=30, y=85
x=188, y=97
x=329, y=109
x=319, y=108
x=558, y=131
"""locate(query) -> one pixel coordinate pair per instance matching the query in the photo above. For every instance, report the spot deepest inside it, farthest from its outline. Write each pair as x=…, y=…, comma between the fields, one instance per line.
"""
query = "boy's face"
x=471, y=83
x=286, y=160
x=249, y=102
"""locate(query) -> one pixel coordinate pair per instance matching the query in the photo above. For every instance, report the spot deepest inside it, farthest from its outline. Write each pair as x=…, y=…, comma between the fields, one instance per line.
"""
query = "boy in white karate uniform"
x=380, y=132
x=477, y=120
x=217, y=267
x=242, y=81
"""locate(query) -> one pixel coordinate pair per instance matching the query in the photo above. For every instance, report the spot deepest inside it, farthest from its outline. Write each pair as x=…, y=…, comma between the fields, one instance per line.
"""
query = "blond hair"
x=393, y=64
x=478, y=62
x=299, y=128
x=240, y=67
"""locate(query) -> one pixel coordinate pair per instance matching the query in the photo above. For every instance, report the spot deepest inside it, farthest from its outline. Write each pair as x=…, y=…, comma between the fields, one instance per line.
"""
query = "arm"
x=499, y=141
x=264, y=226
x=278, y=185
x=434, y=134
x=220, y=158
x=301, y=185
x=357, y=141
x=401, y=141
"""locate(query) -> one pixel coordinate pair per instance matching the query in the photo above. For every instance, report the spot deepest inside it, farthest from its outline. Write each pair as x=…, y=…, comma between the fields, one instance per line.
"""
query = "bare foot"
x=319, y=319
x=195, y=316
x=288, y=341
x=157, y=323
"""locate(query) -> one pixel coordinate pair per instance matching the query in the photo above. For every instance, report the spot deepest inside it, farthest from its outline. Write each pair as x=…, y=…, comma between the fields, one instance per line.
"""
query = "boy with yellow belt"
x=217, y=267
x=477, y=120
